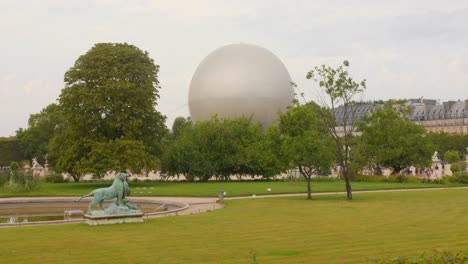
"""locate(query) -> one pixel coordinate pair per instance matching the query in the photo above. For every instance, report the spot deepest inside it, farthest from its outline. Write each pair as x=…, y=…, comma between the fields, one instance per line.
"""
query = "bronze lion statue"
x=119, y=189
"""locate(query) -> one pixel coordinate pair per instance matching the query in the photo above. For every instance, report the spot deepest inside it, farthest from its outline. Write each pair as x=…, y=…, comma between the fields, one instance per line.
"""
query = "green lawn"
x=326, y=229
x=211, y=188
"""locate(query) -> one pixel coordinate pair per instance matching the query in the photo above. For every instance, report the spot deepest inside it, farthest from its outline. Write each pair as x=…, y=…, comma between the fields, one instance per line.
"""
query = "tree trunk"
x=307, y=176
x=75, y=177
x=349, y=193
x=309, y=190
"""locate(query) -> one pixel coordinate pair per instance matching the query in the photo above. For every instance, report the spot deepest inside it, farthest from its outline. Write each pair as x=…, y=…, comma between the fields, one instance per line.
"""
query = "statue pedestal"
x=113, y=219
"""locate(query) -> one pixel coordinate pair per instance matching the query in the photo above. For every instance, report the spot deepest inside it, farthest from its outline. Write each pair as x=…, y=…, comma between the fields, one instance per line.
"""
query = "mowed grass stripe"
x=326, y=229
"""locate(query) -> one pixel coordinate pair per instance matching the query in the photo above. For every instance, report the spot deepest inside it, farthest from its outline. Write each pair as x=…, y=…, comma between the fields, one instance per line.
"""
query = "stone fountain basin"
x=38, y=208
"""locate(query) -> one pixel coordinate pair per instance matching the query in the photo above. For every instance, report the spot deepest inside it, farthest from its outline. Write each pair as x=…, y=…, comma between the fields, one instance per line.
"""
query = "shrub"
x=4, y=177
x=459, y=177
x=437, y=257
x=403, y=178
x=367, y=178
x=429, y=180
x=20, y=181
x=451, y=156
x=324, y=179
x=458, y=167
x=54, y=177
x=391, y=178
x=399, y=178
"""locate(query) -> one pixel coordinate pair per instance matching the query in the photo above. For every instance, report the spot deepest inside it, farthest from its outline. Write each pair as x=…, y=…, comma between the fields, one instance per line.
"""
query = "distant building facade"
x=449, y=117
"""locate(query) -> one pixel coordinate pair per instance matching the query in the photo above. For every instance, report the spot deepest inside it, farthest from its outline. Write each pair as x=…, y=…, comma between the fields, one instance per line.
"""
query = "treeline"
x=105, y=120
x=10, y=150
x=221, y=148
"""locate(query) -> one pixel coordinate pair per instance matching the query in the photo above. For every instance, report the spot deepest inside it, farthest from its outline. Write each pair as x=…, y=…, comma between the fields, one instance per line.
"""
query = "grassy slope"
x=327, y=229
x=212, y=188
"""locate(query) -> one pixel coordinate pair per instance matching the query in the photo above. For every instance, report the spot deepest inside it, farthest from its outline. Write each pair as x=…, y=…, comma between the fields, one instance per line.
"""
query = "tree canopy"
x=10, y=150
x=220, y=148
x=446, y=142
x=180, y=123
x=41, y=128
x=305, y=141
x=390, y=140
x=109, y=103
x=451, y=156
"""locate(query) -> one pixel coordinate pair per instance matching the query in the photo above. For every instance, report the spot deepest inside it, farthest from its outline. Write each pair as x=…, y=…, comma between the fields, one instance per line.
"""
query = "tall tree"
x=305, y=141
x=34, y=140
x=341, y=90
x=109, y=98
x=392, y=141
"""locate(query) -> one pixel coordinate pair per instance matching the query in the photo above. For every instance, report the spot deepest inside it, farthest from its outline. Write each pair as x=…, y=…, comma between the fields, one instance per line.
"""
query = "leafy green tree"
x=109, y=100
x=305, y=143
x=392, y=141
x=446, y=142
x=34, y=140
x=262, y=154
x=192, y=153
x=219, y=148
x=341, y=90
x=132, y=155
x=180, y=123
x=451, y=156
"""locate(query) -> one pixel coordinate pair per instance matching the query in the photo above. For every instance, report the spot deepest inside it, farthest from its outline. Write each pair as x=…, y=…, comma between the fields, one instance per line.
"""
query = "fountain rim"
x=67, y=199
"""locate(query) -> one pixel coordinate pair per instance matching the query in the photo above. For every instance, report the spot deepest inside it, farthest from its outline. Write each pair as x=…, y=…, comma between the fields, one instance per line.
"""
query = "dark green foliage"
x=54, y=177
x=10, y=150
x=34, y=140
x=117, y=154
x=16, y=180
x=220, y=148
x=458, y=167
x=390, y=140
x=459, y=177
x=451, y=156
x=304, y=141
x=108, y=105
x=180, y=123
x=444, y=257
x=14, y=165
x=399, y=178
x=367, y=178
x=4, y=177
x=448, y=142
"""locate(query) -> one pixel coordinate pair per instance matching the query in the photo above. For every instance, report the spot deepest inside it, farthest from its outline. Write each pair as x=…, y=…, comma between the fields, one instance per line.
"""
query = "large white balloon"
x=240, y=79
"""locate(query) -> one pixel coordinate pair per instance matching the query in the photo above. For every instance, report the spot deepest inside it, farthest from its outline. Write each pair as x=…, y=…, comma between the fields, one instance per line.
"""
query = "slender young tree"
x=341, y=91
x=305, y=143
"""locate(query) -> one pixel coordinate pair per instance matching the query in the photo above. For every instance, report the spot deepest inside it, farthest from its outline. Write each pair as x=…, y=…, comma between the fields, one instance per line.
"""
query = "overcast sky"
x=405, y=49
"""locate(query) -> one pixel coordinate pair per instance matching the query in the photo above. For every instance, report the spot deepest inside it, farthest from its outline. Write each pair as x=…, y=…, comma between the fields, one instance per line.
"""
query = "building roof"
x=420, y=109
